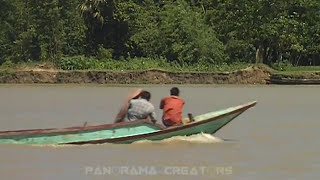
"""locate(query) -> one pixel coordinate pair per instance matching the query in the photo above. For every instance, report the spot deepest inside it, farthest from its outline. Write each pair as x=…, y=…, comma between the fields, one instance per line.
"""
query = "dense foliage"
x=74, y=34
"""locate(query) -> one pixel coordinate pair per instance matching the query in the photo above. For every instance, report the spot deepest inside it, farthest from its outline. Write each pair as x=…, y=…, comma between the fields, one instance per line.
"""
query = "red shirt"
x=172, y=110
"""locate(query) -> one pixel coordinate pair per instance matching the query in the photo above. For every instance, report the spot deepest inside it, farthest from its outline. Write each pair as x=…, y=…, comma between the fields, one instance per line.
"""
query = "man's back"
x=172, y=110
x=140, y=109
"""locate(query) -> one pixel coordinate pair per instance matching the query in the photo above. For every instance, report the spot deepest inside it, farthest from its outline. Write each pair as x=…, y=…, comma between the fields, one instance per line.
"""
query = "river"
x=276, y=139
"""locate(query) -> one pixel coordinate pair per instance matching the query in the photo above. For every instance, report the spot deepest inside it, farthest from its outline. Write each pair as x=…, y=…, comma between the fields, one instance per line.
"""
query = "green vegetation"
x=176, y=35
x=91, y=63
x=299, y=70
x=305, y=68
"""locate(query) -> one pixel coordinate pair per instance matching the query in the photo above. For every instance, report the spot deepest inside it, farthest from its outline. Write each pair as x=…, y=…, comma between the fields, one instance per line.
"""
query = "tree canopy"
x=180, y=31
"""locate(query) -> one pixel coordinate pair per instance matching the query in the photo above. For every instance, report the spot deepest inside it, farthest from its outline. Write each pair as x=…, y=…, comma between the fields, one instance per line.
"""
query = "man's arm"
x=153, y=117
x=152, y=113
x=161, y=103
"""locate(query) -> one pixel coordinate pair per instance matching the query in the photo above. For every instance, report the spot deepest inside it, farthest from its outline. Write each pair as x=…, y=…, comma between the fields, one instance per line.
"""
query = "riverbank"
x=295, y=78
x=251, y=75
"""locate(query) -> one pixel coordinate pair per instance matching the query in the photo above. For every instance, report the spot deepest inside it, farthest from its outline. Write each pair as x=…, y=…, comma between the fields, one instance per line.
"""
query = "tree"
x=274, y=29
x=5, y=28
x=180, y=34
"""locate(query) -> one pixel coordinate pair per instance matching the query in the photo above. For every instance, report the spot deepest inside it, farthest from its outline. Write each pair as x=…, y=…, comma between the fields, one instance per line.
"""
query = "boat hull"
x=125, y=132
x=209, y=127
x=79, y=136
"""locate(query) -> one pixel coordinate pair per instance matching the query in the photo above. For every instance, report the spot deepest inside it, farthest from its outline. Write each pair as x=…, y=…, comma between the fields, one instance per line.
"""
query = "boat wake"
x=54, y=146
x=201, y=138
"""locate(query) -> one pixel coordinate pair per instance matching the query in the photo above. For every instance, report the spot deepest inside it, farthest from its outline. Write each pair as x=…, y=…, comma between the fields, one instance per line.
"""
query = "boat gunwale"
x=241, y=109
x=76, y=129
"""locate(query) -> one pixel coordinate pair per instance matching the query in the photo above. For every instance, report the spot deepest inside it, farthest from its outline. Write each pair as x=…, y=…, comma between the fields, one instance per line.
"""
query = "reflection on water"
x=277, y=139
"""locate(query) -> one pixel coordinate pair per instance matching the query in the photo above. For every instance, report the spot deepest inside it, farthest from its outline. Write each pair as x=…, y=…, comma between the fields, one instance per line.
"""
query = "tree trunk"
x=259, y=55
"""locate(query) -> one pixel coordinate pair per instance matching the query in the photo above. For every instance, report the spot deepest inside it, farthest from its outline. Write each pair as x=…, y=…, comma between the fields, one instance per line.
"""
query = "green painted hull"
x=209, y=127
x=123, y=132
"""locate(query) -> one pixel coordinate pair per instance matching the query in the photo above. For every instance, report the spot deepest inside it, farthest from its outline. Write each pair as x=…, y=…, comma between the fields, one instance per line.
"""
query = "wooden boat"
x=124, y=132
x=290, y=81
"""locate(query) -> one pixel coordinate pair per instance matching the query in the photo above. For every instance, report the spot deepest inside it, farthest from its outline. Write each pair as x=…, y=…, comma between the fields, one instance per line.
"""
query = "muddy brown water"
x=277, y=139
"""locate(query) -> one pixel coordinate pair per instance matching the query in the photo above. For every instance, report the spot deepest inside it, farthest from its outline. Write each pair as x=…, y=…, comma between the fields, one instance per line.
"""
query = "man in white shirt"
x=141, y=108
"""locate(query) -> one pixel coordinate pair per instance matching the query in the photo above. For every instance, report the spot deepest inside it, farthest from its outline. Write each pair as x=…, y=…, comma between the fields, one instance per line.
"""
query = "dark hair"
x=145, y=95
x=174, y=91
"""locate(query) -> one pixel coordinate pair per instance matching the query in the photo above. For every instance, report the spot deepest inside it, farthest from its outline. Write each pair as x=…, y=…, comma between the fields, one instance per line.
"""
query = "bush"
x=79, y=63
x=282, y=65
x=8, y=64
x=133, y=64
x=104, y=53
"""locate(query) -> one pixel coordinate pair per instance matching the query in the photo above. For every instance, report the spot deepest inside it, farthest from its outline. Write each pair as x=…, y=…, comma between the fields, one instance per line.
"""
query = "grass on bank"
x=138, y=64
x=286, y=68
x=298, y=70
x=135, y=64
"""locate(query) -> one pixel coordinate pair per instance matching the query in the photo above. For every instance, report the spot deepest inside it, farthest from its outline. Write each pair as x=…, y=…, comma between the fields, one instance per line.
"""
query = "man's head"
x=145, y=95
x=174, y=91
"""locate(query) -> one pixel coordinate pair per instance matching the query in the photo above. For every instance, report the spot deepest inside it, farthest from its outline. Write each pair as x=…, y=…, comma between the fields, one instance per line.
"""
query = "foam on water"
x=196, y=138
x=54, y=146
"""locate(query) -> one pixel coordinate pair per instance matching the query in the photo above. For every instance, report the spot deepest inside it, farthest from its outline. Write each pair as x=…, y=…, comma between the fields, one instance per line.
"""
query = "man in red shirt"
x=172, y=108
